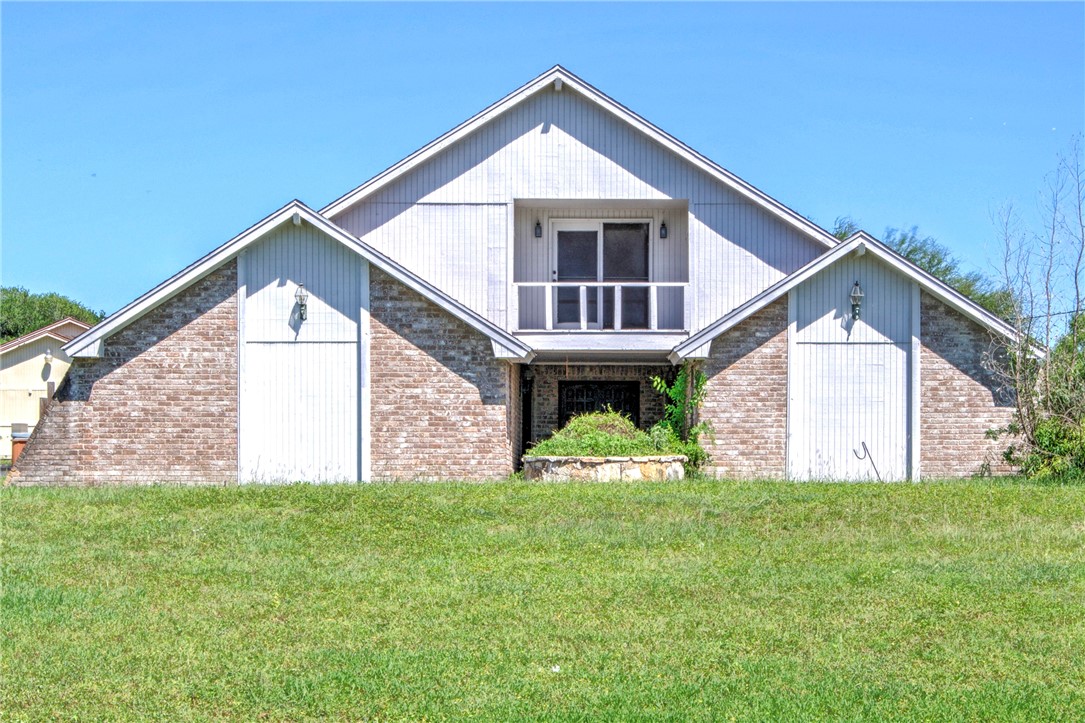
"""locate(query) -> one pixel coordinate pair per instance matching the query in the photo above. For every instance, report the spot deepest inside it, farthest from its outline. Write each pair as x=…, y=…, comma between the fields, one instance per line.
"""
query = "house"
x=547, y=256
x=31, y=367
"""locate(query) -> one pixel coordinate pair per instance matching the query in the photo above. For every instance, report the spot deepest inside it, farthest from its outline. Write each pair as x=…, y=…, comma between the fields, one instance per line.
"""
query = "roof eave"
x=90, y=343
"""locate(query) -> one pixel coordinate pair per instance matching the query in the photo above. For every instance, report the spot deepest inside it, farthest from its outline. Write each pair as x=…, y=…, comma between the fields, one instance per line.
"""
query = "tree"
x=938, y=261
x=21, y=312
x=1045, y=365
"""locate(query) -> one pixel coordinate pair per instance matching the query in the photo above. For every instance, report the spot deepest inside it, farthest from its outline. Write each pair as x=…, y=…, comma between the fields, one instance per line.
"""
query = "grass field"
x=682, y=601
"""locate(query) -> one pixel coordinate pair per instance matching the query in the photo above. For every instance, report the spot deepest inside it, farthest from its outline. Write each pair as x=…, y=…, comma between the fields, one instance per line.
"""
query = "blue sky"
x=136, y=137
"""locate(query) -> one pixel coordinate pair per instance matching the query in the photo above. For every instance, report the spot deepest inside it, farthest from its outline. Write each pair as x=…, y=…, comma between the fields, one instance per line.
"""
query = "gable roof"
x=90, y=342
x=559, y=75
x=52, y=331
x=862, y=242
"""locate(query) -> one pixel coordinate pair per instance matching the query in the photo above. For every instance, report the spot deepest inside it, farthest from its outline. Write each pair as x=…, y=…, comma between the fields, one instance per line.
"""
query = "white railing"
x=600, y=305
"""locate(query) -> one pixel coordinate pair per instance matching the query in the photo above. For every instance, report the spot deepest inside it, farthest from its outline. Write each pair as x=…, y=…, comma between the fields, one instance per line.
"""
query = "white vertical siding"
x=850, y=381
x=300, y=405
x=447, y=220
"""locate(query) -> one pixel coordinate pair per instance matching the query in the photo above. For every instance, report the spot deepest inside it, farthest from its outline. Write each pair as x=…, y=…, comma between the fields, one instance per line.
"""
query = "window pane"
x=625, y=252
x=578, y=254
x=635, y=308
x=568, y=306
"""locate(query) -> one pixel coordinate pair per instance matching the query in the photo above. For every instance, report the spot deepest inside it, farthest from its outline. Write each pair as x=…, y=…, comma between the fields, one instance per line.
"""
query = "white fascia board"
x=861, y=242
x=607, y=103
x=90, y=344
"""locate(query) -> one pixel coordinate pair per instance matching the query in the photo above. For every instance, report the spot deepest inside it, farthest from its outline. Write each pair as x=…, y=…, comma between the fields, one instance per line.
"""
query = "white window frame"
x=596, y=225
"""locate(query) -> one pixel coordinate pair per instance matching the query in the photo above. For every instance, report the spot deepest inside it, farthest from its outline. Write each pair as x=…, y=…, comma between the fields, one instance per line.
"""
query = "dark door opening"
x=583, y=397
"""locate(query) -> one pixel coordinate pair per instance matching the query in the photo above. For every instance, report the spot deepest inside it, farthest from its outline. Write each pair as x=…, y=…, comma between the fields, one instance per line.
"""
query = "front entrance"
x=583, y=397
x=551, y=394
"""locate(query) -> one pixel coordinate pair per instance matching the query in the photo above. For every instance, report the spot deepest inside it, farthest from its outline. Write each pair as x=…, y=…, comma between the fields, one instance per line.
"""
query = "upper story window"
x=610, y=260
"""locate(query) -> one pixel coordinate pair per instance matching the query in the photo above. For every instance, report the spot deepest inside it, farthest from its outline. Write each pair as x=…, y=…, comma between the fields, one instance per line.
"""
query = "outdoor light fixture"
x=856, y=297
x=48, y=356
x=302, y=297
x=538, y=229
x=663, y=230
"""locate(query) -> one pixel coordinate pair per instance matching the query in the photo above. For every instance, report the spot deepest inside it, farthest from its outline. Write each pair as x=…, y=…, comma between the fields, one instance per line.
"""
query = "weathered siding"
x=745, y=401
x=440, y=400
x=300, y=414
x=961, y=398
x=159, y=406
x=451, y=219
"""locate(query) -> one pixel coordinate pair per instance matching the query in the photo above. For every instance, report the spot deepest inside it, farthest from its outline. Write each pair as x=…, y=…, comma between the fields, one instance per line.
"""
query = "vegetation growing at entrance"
x=679, y=424
x=605, y=434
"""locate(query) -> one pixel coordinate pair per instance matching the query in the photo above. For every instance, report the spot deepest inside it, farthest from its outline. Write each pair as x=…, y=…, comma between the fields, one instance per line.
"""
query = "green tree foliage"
x=21, y=312
x=938, y=261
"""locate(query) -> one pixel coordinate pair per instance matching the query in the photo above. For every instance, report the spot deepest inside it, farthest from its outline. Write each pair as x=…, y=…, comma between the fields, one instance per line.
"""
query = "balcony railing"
x=606, y=305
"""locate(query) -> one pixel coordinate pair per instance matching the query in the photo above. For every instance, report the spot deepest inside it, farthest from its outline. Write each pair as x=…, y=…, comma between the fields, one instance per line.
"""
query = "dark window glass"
x=583, y=397
x=625, y=252
x=578, y=254
x=634, y=308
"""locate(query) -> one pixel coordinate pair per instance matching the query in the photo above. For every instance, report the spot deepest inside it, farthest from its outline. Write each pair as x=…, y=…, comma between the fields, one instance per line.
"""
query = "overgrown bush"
x=607, y=434
x=1056, y=452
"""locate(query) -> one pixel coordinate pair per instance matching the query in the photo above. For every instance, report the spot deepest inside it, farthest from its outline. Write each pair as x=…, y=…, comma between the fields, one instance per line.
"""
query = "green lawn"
x=683, y=601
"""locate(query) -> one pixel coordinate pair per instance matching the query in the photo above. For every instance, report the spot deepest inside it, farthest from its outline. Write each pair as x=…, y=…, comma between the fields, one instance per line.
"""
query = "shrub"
x=607, y=434
x=1057, y=451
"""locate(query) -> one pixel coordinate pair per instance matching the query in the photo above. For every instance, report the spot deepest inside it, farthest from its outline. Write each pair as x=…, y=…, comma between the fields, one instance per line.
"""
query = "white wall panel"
x=850, y=381
x=300, y=415
x=823, y=311
x=845, y=396
x=447, y=219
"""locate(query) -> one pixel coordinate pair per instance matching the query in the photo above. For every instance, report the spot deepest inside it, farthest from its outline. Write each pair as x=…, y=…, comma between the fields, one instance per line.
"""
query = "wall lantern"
x=663, y=230
x=856, y=297
x=538, y=229
x=302, y=297
x=48, y=356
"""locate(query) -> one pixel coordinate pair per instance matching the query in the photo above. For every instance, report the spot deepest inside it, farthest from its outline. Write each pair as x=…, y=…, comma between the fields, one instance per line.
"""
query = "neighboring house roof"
x=559, y=75
x=697, y=345
x=56, y=330
x=90, y=342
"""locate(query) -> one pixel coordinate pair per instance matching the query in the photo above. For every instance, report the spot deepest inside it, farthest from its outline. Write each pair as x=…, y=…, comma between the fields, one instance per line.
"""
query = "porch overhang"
x=636, y=347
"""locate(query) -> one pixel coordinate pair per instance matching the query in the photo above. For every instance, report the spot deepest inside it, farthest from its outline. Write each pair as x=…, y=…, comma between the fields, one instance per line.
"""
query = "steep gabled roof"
x=90, y=343
x=860, y=241
x=558, y=74
x=53, y=331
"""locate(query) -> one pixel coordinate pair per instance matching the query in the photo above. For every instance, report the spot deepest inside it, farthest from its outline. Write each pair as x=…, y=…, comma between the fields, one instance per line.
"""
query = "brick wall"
x=746, y=397
x=159, y=406
x=961, y=399
x=544, y=398
x=439, y=398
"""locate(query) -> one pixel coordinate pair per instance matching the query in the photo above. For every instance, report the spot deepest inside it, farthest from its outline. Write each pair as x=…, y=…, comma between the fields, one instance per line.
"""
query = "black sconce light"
x=302, y=297
x=856, y=297
x=538, y=229
x=663, y=230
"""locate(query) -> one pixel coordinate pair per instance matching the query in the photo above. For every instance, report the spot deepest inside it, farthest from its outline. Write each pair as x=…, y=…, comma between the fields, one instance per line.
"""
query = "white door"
x=849, y=412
